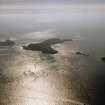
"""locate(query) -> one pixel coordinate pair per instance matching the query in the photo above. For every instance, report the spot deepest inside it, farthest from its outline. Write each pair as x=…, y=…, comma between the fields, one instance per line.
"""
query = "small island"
x=80, y=53
x=45, y=46
x=103, y=59
x=7, y=43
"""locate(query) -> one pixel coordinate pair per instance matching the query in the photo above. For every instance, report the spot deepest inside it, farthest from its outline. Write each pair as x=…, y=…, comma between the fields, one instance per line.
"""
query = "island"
x=7, y=43
x=45, y=46
x=103, y=59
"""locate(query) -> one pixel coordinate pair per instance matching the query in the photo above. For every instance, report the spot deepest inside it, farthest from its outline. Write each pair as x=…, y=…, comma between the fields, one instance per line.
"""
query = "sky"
x=52, y=1
x=33, y=4
x=19, y=17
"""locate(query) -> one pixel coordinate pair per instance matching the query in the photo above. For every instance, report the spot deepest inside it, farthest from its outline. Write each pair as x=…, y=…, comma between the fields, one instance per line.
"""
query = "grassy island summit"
x=45, y=46
x=7, y=43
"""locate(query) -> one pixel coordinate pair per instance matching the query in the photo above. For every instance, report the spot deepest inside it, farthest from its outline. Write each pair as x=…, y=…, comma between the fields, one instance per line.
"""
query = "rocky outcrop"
x=103, y=59
x=7, y=43
x=80, y=53
x=45, y=46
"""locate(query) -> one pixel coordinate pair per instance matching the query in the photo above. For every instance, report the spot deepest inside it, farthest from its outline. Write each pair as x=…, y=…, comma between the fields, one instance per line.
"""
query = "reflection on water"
x=33, y=78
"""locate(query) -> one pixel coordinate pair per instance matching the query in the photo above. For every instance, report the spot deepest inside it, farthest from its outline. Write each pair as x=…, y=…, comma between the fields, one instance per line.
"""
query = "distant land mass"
x=45, y=46
x=7, y=43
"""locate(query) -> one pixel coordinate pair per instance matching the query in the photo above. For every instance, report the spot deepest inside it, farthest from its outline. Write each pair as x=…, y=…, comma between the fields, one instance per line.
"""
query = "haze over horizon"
x=49, y=4
x=37, y=17
x=51, y=1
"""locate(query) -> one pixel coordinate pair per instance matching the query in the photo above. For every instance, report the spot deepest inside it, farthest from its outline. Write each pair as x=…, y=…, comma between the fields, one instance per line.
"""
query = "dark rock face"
x=7, y=43
x=45, y=46
x=103, y=59
x=40, y=47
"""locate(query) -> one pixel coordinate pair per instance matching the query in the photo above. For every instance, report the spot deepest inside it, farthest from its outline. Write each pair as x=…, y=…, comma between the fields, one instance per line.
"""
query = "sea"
x=65, y=78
